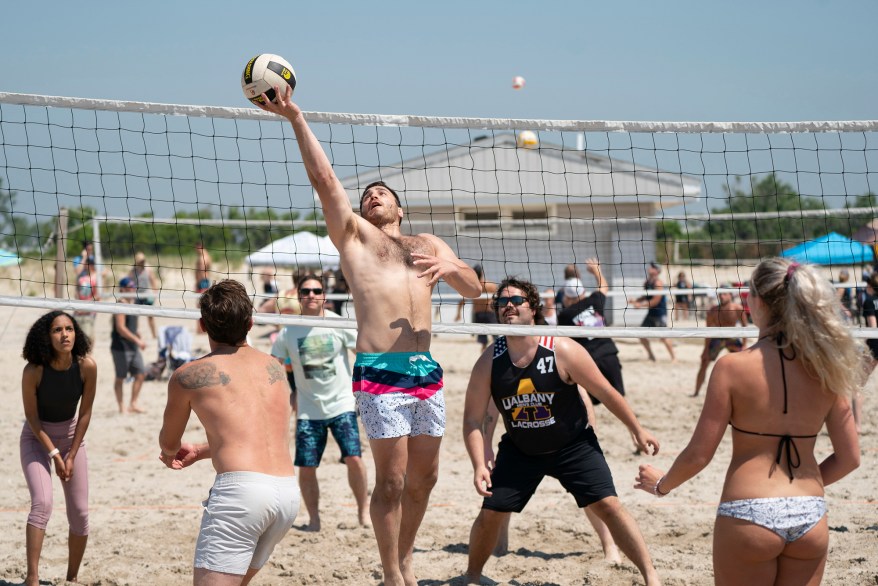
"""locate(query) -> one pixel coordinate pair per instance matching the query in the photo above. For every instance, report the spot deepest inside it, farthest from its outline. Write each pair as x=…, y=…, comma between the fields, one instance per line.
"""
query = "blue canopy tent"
x=832, y=249
x=8, y=258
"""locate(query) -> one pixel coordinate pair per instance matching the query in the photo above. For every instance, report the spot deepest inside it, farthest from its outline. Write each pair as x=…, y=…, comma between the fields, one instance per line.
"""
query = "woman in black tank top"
x=777, y=395
x=58, y=377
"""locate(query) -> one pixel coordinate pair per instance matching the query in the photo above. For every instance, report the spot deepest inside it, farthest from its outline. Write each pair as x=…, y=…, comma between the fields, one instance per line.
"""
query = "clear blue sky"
x=645, y=60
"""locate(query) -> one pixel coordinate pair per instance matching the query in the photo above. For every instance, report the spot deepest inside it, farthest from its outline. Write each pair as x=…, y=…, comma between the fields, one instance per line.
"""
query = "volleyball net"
x=704, y=201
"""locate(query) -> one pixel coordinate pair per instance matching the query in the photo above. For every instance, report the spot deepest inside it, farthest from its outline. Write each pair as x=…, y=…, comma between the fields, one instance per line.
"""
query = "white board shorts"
x=398, y=415
x=245, y=516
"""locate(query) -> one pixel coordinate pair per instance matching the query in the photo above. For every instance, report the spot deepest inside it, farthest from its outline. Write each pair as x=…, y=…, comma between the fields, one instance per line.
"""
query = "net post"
x=60, y=254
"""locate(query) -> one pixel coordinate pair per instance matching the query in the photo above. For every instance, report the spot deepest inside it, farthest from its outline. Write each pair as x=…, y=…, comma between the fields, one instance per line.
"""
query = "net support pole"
x=60, y=256
x=96, y=242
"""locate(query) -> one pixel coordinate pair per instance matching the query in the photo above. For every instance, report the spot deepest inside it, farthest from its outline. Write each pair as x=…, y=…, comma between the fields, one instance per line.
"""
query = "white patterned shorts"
x=398, y=414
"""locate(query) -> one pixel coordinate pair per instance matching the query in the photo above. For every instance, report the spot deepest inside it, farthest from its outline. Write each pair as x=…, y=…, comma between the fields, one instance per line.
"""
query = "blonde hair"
x=805, y=313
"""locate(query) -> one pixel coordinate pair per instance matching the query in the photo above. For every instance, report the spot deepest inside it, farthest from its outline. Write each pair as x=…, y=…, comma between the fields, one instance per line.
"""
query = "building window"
x=531, y=221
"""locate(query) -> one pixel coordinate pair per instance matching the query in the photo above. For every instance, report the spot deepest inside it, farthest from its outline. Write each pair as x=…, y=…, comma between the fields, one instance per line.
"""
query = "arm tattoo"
x=486, y=423
x=202, y=375
x=276, y=373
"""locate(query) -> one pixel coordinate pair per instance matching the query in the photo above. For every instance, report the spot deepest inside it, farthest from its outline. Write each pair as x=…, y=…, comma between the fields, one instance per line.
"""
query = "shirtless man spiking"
x=397, y=383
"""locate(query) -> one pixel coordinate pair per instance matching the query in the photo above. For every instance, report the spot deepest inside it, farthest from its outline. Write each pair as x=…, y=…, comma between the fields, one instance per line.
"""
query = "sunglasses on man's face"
x=305, y=291
x=516, y=300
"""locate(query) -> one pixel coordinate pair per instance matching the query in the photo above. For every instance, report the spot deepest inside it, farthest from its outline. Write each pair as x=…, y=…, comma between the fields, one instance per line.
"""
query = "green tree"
x=17, y=231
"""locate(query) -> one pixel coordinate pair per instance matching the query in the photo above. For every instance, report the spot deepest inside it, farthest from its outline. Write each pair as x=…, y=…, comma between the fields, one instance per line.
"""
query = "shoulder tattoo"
x=275, y=373
x=199, y=376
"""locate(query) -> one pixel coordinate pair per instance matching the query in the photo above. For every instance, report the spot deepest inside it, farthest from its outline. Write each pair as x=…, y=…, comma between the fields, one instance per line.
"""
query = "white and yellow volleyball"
x=527, y=139
x=263, y=73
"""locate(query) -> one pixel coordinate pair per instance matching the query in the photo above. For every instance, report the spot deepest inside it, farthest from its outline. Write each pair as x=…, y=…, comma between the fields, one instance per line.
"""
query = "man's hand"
x=645, y=442
x=593, y=266
x=283, y=104
x=187, y=455
x=436, y=267
x=482, y=481
x=489, y=456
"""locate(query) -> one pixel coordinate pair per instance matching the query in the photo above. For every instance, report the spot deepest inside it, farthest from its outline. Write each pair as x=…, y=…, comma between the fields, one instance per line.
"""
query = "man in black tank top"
x=534, y=382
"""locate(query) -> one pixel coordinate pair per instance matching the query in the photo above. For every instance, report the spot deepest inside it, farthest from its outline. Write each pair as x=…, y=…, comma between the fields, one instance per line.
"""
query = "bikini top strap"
x=783, y=374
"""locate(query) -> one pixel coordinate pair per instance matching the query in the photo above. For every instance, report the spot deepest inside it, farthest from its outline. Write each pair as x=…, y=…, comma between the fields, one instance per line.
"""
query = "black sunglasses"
x=305, y=291
x=515, y=299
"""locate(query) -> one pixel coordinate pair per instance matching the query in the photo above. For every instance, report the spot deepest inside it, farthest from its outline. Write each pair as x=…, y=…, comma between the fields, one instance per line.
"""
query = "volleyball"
x=527, y=139
x=517, y=82
x=262, y=73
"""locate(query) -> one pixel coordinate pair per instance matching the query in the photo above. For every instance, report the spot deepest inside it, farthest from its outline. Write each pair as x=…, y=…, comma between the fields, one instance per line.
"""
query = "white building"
x=530, y=212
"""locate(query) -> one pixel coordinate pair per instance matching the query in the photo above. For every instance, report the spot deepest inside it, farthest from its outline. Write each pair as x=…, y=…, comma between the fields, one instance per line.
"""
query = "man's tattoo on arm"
x=276, y=373
x=486, y=423
x=202, y=375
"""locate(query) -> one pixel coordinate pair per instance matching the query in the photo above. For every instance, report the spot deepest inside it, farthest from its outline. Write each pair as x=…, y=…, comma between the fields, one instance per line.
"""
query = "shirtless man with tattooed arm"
x=242, y=398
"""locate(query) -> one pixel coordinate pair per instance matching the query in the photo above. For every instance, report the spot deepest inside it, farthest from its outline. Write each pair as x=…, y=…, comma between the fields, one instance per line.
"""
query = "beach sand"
x=144, y=517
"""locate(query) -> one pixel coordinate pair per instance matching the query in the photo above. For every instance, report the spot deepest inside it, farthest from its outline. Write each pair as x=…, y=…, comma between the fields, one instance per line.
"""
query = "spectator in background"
x=125, y=345
x=570, y=273
x=682, y=301
x=482, y=311
x=657, y=309
x=726, y=314
x=846, y=294
x=269, y=283
x=288, y=304
x=145, y=285
x=87, y=290
x=870, y=319
x=340, y=287
x=550, y=314
x=88, y=250
x=203, y=264
x=744, y=294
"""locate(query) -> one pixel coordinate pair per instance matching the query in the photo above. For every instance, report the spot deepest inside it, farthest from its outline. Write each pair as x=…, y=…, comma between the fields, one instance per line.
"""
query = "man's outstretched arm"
x=340, y=217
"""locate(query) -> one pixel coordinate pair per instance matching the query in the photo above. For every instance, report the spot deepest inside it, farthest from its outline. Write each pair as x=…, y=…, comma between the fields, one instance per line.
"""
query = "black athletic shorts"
x=873, y=348
x=611, y=368
x=580, y=467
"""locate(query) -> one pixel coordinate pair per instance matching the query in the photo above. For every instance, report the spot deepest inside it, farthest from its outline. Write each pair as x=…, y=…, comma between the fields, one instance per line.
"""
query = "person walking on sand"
x=125, y=346
x=771, y=525
x=241, y=397
x=319, y=357
x=59, y=375
x=535, y=384
x=397, y=384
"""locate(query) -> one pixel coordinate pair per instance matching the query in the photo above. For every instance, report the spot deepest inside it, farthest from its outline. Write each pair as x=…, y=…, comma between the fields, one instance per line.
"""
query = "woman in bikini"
x=777, y=395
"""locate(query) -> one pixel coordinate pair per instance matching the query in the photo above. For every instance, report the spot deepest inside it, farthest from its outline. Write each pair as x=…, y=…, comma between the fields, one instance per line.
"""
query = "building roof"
x=494, y=171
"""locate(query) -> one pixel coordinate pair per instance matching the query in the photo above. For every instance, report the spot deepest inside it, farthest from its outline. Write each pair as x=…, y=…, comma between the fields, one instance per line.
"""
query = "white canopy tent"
x=302, y=249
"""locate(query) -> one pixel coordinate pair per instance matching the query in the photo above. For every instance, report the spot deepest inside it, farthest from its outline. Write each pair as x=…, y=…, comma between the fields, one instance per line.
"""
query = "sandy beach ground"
x=144, y=517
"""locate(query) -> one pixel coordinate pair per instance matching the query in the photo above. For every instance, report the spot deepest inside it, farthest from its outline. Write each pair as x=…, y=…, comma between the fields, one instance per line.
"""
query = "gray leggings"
x=35, y=464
